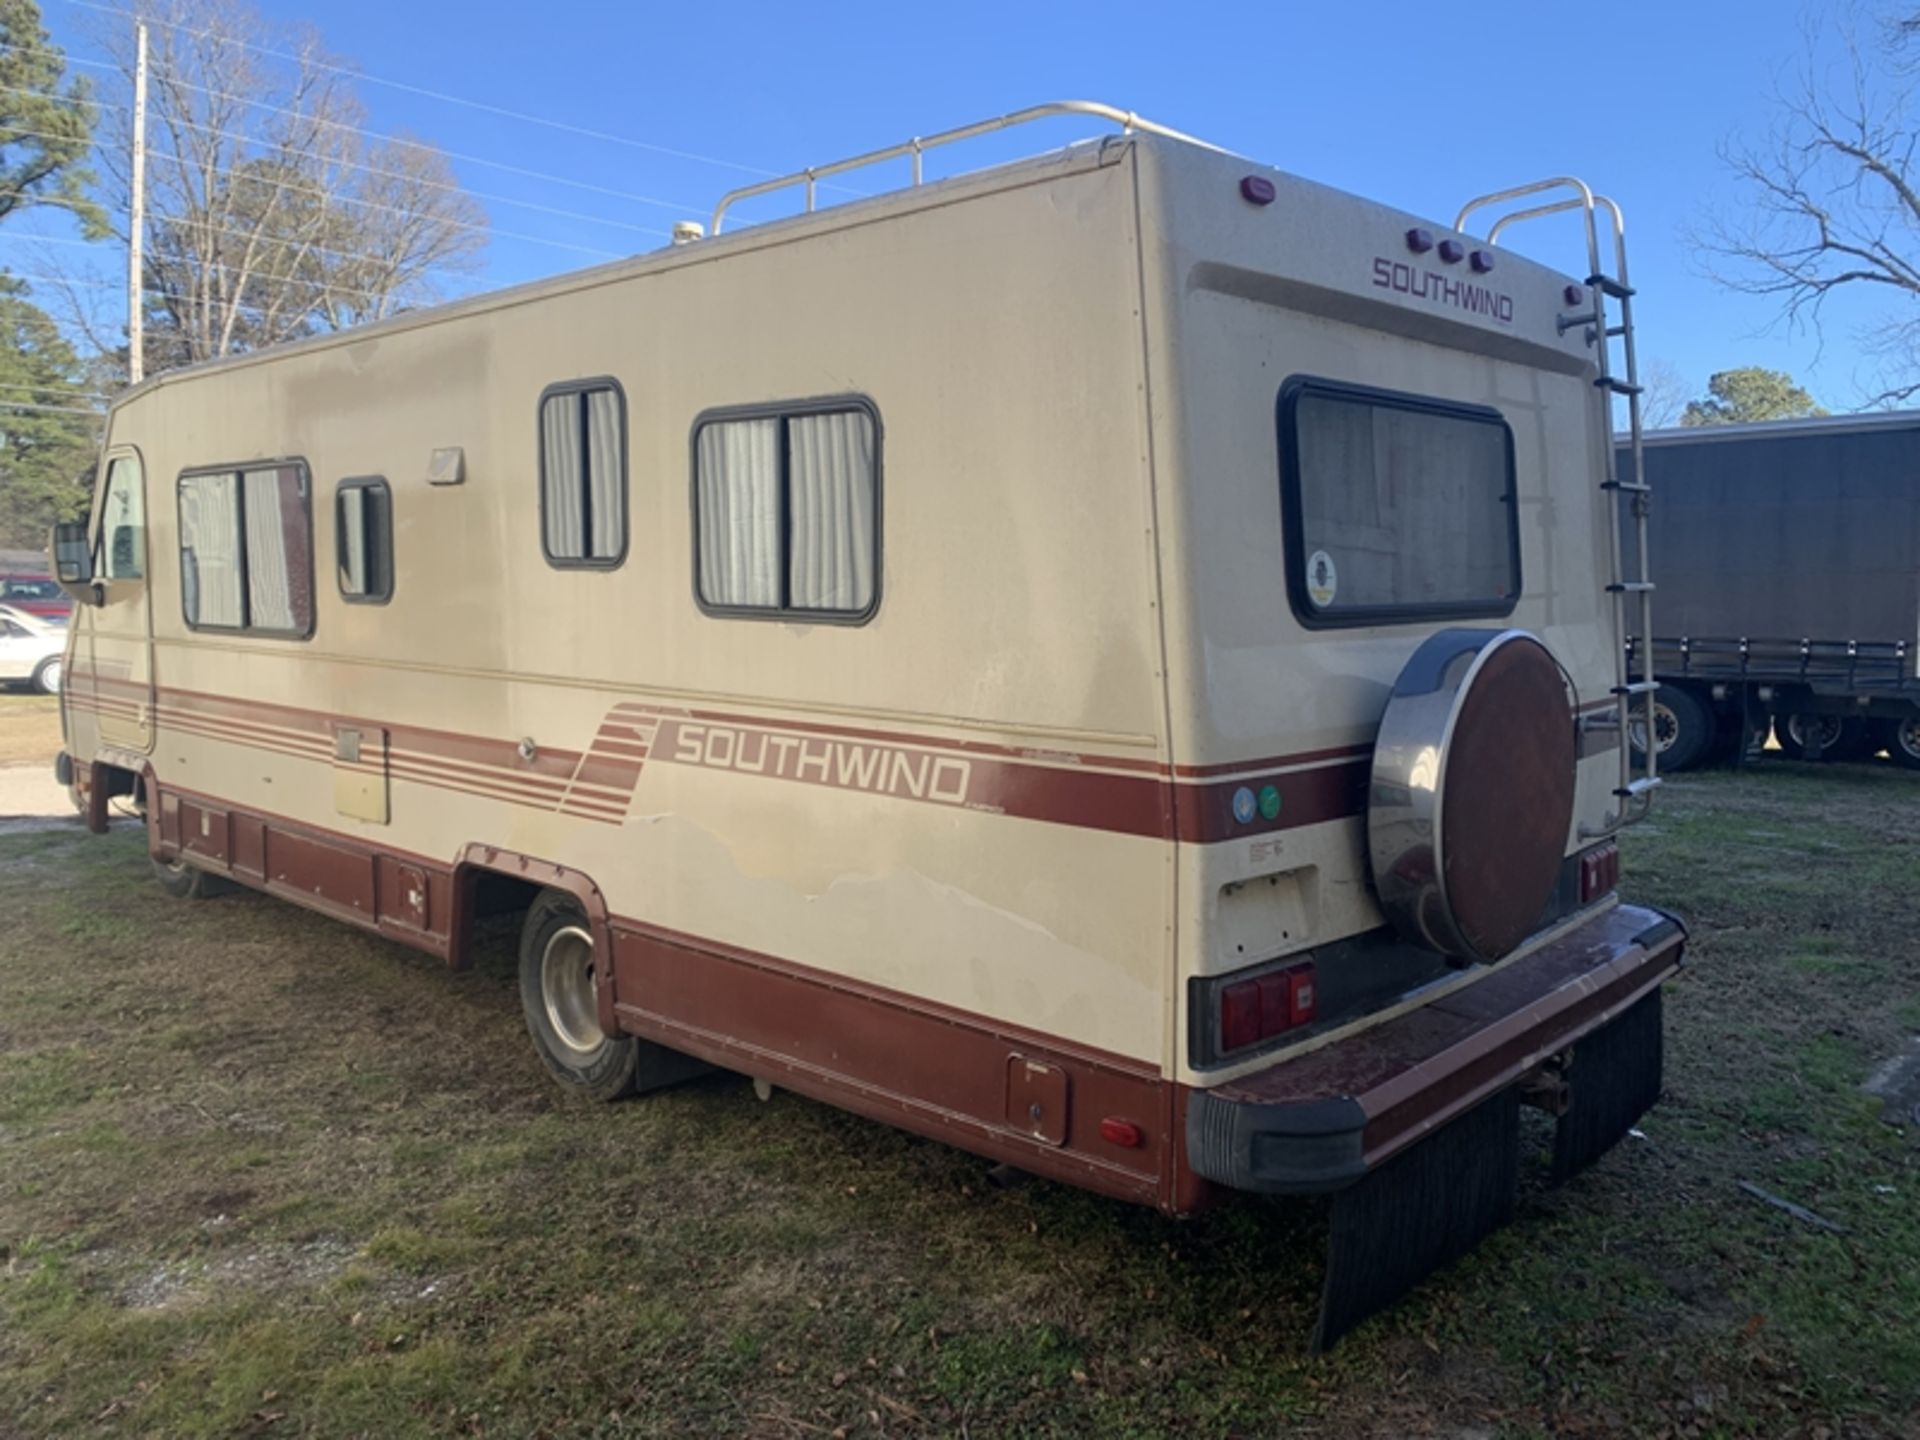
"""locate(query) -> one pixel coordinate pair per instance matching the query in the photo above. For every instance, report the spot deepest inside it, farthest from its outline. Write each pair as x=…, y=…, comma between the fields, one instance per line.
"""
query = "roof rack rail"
x=916, y=147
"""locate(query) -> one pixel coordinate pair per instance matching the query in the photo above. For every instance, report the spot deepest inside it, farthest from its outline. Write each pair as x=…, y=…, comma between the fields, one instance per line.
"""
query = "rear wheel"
x=48, y=675
x=558, y=969
x=1822, y=737
x=1902, y=739
x=1683, y=729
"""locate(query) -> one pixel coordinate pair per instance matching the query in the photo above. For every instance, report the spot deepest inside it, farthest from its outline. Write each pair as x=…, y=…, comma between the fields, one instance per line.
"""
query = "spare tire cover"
x=1472, y=792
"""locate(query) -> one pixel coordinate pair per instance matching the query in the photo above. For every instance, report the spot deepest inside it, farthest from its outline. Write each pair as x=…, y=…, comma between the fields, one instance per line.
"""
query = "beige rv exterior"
x=958, y=862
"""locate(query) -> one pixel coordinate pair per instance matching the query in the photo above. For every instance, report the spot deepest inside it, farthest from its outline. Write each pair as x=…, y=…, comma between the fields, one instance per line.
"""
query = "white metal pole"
x=136, y=229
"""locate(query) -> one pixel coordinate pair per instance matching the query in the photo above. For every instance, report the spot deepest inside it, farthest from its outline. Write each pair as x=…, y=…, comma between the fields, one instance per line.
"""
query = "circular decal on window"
x=1243, y=805
x=1323, y=580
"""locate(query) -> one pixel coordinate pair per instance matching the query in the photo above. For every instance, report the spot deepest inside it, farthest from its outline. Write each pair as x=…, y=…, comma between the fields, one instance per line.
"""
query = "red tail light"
x=1258, y=1009
x=1599, y=872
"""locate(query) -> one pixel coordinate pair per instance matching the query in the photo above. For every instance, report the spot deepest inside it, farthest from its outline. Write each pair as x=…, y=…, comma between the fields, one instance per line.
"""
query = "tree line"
x=272, y=213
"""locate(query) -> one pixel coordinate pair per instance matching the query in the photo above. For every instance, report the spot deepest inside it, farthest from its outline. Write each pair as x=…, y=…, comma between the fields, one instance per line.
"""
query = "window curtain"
x=564, y=448
x=831, y=495
x=355, y=578
x=210, y=549
x=279, y=577
x=739, y=511
x=604, y=474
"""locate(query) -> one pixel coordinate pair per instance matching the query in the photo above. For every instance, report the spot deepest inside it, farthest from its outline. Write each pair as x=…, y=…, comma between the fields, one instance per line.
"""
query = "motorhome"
x=1788, y=556
x=1112, y=661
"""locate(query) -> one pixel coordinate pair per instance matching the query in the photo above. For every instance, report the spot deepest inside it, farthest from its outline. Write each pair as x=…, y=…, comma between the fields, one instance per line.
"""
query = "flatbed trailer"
x=1788, y=565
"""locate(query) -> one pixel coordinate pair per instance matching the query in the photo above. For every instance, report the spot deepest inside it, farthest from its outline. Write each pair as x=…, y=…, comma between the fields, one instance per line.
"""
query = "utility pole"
x=136, y=229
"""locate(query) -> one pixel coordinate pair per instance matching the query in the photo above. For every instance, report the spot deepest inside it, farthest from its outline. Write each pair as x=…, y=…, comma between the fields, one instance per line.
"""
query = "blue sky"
x=1420, y=105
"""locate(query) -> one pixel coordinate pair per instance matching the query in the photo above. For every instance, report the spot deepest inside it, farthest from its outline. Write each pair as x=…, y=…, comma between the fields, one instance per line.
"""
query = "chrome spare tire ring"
x=567, y=990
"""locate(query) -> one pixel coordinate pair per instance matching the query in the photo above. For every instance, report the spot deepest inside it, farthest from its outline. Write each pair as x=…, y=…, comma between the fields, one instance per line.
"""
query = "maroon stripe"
x=1274, y=762
x=1307, y=797
x=932, y=742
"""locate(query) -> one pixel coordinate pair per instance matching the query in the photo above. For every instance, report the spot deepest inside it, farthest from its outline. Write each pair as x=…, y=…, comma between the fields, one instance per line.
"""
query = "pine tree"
x=46, y=451
x=45, y=130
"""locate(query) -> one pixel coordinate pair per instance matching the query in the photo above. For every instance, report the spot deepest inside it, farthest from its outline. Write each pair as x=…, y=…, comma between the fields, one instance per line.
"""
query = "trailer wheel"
x=1824, y=737
x=557, y=969
x=1683, y=729
x=1902, y=739
x=188, y=882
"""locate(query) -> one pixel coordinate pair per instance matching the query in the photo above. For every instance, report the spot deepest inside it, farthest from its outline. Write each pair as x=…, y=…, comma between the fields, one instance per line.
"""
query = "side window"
x=786, y=507
x=246, y=550
x=123, y=522
x=363, y=539
x=583, y=474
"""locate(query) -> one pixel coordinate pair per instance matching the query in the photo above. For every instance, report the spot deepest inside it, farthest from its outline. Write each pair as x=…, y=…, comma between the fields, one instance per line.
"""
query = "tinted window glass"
x=1398, y=506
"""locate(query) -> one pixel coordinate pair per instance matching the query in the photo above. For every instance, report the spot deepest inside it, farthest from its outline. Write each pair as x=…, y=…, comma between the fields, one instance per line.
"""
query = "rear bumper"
x=1322, y=1121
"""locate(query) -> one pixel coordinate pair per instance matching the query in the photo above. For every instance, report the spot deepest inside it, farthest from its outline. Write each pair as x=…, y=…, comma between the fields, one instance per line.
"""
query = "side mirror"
x=73, y=560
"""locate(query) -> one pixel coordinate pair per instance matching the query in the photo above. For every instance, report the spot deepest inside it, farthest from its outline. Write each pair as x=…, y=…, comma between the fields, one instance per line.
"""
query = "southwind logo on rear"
x=844, y=764
x=1404, y=279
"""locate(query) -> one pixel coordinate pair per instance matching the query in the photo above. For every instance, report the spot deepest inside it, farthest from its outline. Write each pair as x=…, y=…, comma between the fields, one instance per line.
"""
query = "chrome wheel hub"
x=566, y=988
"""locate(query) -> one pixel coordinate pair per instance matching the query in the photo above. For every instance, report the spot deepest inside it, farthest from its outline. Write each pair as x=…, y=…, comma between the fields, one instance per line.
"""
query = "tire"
x=49, y=674
x=1843, y=737
x=1902, y=740
x=189, y=882
x=556, y=993
x=1684, y=731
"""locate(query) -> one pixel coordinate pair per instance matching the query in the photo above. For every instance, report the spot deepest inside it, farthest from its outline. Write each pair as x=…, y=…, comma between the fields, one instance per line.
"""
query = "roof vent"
x=685, y=232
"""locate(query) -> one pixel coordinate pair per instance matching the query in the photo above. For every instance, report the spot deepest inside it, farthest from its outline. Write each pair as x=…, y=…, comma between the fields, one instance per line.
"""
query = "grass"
x=263, y=1176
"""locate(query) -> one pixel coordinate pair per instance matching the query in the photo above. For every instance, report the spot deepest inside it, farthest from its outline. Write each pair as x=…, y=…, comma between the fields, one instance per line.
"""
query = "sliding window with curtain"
x=583, y=479
x=786, y=512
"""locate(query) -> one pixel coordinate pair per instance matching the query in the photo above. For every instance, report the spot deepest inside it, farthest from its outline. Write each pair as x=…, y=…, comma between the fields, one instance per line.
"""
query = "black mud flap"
x=1421, y=1210
x=1615, y=1076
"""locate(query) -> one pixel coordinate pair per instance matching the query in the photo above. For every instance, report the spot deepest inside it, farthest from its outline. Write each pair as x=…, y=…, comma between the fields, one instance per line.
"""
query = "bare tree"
x=271, y=215
x=1664, y=394
x=1834, y=199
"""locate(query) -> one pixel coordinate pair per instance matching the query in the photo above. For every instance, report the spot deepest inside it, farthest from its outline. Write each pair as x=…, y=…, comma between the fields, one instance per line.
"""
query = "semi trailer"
x=1787, y=557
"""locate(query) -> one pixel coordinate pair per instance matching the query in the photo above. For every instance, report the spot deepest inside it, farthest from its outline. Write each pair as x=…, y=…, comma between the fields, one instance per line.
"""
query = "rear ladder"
x=1631, y=593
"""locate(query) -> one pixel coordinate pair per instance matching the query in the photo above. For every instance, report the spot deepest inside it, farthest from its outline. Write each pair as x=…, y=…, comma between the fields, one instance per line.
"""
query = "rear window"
x=1397, y=507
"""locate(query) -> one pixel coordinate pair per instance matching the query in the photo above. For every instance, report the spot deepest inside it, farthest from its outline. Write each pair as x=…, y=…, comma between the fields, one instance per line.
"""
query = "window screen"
x=786, y=511
x=246, y=550
x=1397, y=507
x=583, y=479
x=363, y=540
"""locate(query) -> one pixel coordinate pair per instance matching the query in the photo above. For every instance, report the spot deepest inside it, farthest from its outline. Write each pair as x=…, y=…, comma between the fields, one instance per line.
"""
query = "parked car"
x=37, y=595
x=31, y=649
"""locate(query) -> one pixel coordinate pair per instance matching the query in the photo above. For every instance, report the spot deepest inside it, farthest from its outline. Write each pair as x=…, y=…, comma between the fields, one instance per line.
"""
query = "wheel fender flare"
x=477, y=859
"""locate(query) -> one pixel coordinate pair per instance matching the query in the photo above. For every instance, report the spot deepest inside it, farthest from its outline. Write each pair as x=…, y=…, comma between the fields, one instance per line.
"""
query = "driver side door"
x=120, y=628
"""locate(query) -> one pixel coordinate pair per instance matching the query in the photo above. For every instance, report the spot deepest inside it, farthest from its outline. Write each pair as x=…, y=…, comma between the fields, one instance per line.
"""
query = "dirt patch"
x=29, y=729
x=269, y=1268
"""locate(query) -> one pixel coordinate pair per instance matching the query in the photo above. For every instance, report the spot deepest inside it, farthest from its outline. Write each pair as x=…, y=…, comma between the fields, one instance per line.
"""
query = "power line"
x=481, y=105
x=52, y=389
x=47, y=409
x=403, y=210
x=527, y=172
x=421, y=181
x=197, y=229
